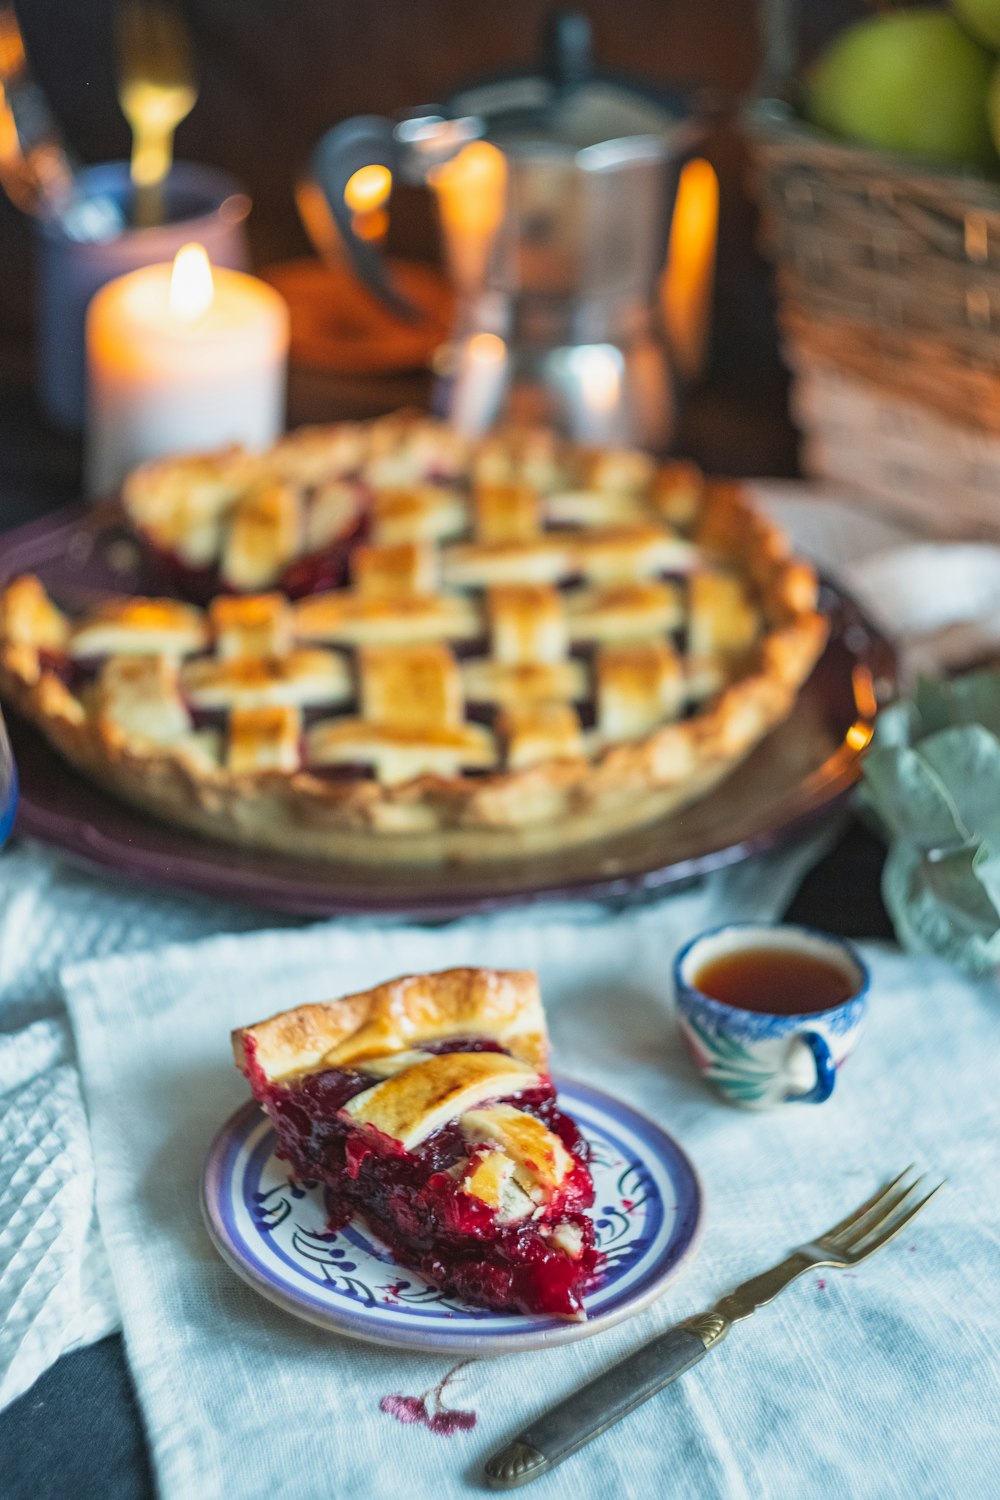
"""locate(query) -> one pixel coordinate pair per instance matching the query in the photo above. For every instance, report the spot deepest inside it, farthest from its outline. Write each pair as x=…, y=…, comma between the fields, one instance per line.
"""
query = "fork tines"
x=878, y=1220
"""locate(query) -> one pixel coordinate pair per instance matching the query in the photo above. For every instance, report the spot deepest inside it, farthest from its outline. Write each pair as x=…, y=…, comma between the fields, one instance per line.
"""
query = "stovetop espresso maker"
x=555, y=191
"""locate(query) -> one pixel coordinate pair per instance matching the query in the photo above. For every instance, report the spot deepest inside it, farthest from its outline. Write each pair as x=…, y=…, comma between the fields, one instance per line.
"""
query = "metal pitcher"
x=554, y=192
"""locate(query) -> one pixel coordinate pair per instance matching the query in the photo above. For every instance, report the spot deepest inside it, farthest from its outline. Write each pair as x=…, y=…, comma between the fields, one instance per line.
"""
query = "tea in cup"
x=769, y=1013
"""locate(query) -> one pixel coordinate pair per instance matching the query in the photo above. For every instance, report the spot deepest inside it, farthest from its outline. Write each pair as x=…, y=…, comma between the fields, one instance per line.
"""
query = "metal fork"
x=156, y=91
x=590, y=1411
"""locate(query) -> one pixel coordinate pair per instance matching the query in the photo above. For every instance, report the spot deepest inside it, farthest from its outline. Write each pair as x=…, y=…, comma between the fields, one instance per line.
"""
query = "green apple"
x=981, y=18
x=911, y=81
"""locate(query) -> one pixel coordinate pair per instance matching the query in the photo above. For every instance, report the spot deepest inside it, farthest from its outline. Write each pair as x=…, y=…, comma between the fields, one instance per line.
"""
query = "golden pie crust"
x=632, y=631
x=398, y=1016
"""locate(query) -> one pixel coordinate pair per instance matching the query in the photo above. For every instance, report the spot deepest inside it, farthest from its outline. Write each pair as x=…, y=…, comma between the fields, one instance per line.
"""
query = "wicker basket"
x=888, y=279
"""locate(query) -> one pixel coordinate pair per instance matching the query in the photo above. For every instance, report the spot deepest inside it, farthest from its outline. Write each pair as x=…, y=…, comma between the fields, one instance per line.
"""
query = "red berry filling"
x=415, y=1202
x=312, y=573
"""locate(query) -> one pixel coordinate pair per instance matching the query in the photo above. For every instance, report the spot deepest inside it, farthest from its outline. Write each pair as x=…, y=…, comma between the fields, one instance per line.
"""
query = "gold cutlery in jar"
x=156, y=91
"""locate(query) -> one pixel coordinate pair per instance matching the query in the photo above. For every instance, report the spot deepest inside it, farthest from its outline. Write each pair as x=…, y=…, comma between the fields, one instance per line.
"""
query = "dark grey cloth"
x=77, y=1434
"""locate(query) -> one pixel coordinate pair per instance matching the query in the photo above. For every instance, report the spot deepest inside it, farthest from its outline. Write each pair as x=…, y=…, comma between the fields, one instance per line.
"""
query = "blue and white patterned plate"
x=271, y=1230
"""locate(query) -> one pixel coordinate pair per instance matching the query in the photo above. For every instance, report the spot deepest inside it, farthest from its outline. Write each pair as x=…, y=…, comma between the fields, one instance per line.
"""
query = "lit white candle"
x=179, y=359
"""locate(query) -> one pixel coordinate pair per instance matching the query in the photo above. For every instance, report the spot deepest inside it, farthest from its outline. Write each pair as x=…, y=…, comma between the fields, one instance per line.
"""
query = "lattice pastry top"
x=242, y=522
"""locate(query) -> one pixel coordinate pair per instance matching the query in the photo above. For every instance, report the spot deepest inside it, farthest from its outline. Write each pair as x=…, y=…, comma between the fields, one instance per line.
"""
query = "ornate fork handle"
x=762, y=1289
x=598, y=1405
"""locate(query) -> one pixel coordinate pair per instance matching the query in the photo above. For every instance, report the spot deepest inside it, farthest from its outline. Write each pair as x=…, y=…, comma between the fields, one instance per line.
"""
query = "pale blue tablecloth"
x=878, y=1383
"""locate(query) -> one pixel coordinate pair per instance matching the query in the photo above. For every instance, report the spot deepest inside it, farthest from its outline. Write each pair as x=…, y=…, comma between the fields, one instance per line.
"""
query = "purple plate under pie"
x=793, y=776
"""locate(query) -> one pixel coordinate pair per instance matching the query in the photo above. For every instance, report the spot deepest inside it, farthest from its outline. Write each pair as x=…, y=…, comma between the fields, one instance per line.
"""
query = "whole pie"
x=426, y=1107
x=530, y=645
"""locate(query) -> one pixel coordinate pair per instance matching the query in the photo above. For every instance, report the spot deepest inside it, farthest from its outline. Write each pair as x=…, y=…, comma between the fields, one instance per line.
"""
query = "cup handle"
x=826, y=1070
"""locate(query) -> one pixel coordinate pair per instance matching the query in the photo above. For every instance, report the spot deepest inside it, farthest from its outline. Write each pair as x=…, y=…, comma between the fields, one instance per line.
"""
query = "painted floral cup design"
x=770, y=1012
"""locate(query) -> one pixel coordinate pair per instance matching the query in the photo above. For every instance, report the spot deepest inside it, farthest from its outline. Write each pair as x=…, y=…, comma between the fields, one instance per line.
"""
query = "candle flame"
x=368, y=189
x=191, y=285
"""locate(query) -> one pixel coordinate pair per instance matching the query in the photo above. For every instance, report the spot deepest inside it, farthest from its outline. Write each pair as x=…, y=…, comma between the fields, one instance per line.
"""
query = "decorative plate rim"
x=670, y=1264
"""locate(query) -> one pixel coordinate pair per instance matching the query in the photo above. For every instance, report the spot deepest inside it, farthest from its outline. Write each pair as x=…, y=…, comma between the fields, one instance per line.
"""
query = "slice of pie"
x=426, y=1107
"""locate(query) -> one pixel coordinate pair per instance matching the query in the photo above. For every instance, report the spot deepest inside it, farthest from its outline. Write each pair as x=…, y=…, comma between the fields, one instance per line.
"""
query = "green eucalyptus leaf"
x=939, y=906
x=933, y=778
x=975, y=699
x=966, y=761
x=940, y=703
x=911, y=798
x=932, y=707
x=954, y=880
x=986, y=868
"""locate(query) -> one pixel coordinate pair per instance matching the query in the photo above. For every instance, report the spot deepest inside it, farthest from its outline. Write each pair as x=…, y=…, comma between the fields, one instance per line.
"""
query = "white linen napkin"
x=938, y=601
x=55, y=1292
x=871, y=1383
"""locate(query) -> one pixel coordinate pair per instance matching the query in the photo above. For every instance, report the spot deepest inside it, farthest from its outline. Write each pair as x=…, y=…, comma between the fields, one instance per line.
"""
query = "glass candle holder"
x=201, y=204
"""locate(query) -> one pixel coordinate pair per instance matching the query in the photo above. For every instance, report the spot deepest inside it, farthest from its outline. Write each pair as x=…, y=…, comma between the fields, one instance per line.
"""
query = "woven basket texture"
x=906, y=256
x=888, y=279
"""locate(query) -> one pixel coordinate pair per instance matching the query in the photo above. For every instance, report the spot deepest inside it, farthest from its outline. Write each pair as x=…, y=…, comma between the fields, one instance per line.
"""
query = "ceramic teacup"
x=757, y=1058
